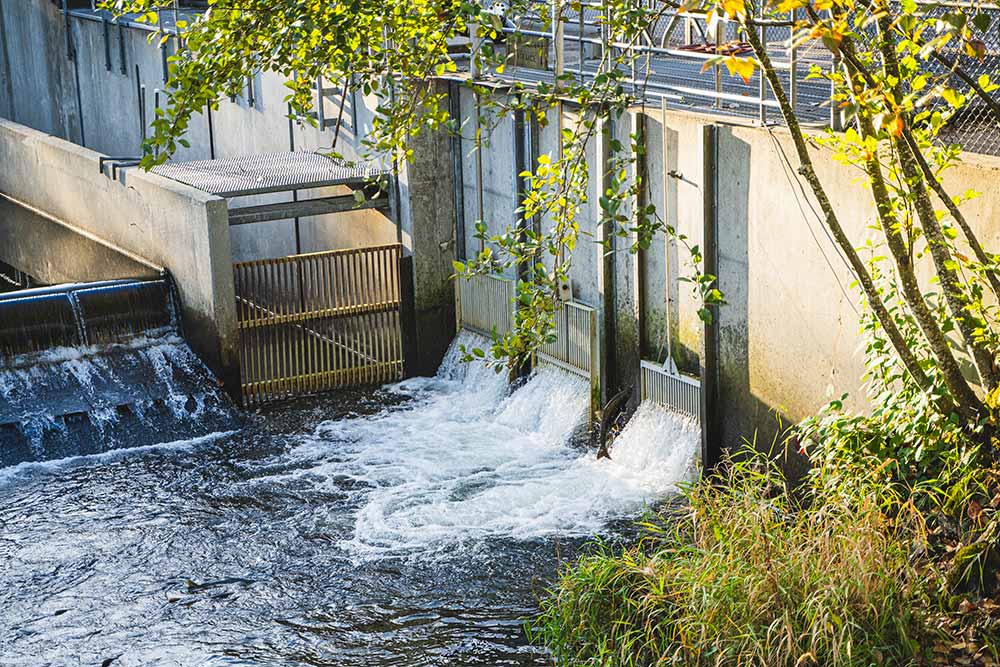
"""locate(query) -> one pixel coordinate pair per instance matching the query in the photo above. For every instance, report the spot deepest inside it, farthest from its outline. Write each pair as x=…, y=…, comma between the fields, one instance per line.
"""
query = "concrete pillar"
x=427, y=230
x=605, y=338
x=627, y=277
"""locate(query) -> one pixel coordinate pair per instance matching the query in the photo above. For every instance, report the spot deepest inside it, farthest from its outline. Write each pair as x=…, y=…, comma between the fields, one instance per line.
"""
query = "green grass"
x=745, y=577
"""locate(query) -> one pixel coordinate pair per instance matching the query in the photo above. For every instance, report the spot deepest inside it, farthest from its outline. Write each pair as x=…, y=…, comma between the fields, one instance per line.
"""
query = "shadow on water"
x=298, y=540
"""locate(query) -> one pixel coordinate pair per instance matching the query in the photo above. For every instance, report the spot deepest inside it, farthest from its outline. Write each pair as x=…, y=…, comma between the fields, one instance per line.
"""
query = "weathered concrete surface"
x=52, y=252
x=38, y=88
x=172, y=225
x=37, y=80
x=427, y=227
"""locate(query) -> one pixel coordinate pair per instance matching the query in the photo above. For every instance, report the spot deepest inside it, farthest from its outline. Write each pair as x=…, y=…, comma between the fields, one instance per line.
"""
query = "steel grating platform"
x=268, y=172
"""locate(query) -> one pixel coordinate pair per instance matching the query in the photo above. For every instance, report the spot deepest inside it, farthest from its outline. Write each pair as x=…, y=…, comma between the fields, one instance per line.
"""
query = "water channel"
x=415, y=524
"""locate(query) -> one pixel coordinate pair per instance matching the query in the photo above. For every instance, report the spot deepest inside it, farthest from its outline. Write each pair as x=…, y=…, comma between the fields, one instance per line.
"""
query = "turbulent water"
x=84, y=400
x=415, y=525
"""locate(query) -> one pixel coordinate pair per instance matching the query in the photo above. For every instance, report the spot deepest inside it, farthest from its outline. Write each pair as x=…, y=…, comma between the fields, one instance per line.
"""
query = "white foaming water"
x=465, y=461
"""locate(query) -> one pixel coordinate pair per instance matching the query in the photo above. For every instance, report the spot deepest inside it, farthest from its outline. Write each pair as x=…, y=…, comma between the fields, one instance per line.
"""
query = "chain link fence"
x=673, y=62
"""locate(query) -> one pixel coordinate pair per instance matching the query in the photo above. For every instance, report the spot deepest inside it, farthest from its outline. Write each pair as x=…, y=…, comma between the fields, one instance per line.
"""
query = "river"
x=415, y=524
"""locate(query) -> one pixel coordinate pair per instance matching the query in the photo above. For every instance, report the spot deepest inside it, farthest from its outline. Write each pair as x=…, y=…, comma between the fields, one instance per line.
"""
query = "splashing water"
x=70, y=401
x=465, y=461
x=413, y=534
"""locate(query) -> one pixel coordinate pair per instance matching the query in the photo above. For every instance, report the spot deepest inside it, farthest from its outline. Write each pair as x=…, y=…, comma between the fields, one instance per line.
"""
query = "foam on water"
x=92, y=398
x=467, y=460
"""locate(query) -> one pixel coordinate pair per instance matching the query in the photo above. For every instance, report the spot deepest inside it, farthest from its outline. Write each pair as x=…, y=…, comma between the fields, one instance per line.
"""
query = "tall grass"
x=747, y=577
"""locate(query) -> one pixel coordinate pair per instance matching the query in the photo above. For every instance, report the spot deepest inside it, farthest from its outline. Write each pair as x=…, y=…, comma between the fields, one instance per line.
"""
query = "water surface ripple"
x=413, y=525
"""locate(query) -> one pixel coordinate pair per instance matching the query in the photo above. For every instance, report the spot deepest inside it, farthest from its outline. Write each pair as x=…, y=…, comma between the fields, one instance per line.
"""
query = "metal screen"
x=677, y=392
x=486, y=304
x=315, y=322
x=573, y=348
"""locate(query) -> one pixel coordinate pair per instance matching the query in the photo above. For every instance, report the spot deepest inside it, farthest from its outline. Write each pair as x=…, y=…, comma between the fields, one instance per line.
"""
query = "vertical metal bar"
x=121, y=48
x=268, y=335
x=106, y=29
x=328, y=358
x=718, y=69
x=359, y=270
x=320, y=106
x=558, y=36
x=311, y=333
x=335, y=270
x=836, y=119
x=163, y=58
x=762, y=83
x=258, y=345
x=579, y=41
x=793, y=85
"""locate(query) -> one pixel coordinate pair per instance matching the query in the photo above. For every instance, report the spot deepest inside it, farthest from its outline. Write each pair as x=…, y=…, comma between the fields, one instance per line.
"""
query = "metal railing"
x=318, y=321
x=669, y=58
x=670, y=63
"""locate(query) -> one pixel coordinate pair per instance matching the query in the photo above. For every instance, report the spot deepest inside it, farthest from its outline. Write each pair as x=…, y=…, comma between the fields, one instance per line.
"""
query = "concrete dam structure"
x=250, y=416
x=719, y=173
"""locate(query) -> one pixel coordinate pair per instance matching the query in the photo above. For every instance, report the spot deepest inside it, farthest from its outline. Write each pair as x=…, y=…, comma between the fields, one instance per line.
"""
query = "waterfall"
x=467, y=460
x=93, y=367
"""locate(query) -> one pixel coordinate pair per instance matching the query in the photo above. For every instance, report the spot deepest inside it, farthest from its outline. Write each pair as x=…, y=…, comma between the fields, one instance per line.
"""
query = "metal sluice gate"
x=319, y=321
x=486, y=304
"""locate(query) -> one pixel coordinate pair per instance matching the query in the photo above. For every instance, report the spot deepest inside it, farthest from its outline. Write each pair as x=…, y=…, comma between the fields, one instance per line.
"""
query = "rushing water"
x=415, y=525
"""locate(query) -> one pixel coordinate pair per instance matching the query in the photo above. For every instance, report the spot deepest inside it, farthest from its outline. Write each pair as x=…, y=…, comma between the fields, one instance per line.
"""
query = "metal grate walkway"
x=268, y=172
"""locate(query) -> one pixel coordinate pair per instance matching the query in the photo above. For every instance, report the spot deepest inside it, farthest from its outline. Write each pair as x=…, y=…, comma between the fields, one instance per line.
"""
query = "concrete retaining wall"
x=789, y=334
x=88, y=103
x=172, y=225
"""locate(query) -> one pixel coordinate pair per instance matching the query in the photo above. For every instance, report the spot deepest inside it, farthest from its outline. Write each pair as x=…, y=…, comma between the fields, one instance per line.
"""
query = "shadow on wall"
x=743, y=415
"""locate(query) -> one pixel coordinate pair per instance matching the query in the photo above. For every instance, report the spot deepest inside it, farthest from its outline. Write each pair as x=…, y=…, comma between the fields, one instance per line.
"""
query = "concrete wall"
x=52, y=252
x=86, y=101
x=172, y=225
x=788, y=335
x=36, y=78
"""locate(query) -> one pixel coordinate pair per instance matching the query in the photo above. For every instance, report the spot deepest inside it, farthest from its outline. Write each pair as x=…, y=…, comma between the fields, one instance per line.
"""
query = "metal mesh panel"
x=266, y=172
x=486, y=304
x=676, y=392
x=571, y=349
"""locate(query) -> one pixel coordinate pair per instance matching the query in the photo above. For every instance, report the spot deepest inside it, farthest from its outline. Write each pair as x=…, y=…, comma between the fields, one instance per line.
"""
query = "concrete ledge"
x=164, y=222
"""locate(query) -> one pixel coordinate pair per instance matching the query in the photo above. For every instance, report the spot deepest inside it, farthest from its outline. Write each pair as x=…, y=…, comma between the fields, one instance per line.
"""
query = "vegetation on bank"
x=849, y=570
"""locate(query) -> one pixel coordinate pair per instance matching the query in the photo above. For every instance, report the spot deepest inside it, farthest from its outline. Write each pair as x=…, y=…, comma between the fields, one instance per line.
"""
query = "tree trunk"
x=808, y=172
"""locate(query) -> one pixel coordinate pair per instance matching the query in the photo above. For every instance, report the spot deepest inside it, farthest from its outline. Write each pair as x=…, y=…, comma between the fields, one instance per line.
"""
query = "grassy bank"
x=843, y=573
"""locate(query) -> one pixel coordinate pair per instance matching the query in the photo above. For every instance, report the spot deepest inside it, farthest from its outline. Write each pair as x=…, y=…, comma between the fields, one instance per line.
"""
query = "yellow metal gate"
x=319, y=321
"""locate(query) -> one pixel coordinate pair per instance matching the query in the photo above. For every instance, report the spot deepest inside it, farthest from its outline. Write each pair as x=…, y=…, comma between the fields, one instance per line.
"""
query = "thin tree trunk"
x=940, y=252
x=910, y=287
x=956, y=213
x=808, y=172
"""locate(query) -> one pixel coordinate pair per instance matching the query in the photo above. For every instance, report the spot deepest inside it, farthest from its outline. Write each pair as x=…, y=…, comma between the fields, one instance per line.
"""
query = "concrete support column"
x=605, y=334
x=710, y=432
x=427, y=220
x=628, y=280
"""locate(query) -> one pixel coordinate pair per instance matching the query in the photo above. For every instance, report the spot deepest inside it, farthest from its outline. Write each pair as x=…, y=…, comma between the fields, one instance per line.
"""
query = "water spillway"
x=415, y=524
x=85, y=368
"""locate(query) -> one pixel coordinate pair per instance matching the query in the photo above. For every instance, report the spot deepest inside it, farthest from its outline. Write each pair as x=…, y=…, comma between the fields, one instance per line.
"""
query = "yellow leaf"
x=742, y=67
x=734, y=8
x=790, y=5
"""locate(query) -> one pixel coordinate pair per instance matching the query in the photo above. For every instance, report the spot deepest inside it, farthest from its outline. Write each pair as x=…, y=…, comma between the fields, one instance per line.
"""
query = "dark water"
x=414, y=525
x=206, y=555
